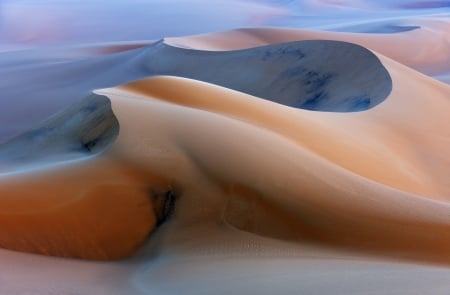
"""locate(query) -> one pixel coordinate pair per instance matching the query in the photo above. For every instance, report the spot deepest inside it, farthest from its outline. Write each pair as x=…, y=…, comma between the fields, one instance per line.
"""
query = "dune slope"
x=303, y=74
x=203, y=185
x=84, y=129
x=233, y=142
x=313, y=75
x=352, y=164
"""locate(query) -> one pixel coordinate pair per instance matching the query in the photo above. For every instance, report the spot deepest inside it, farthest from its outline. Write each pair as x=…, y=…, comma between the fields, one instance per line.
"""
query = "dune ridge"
x=67, y=87
x=85, y=129
x=312, y=75
x=258, y=190
x=110, y=70
x=403, y=48
x=147, y=159
x=208, y=182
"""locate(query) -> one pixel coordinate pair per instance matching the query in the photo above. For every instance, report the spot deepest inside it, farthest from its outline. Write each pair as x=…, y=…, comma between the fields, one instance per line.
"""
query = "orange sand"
x=373, y=181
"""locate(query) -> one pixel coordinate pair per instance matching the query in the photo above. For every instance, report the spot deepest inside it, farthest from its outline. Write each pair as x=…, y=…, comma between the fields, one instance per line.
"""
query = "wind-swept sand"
x=354, y=165
x=404, y=47
x=259, y=190
x=391, y=179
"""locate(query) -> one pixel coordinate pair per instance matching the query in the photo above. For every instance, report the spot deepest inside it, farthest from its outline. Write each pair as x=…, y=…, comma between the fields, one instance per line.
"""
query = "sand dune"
x=67, y=83
x=83, y=130
x=308, y=74
x=338, y=158
x=307, y=164
x=245, y=153
x=403, y=48
x=319, y=131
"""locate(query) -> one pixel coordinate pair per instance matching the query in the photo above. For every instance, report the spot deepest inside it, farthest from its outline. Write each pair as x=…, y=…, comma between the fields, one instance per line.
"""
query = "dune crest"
x=223, y=143
x=68, y=82
x=85, y=129
x=314, y=75
x=304, y=151
x=403, y=48
x=61, y=197
x=318, y=131
x=327, y=176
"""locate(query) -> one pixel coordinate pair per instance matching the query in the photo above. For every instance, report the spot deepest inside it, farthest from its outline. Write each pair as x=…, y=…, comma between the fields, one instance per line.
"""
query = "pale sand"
x=235, y=144
x=411, y=48
x=372, y=182
x=51, y=85
x=184, y=152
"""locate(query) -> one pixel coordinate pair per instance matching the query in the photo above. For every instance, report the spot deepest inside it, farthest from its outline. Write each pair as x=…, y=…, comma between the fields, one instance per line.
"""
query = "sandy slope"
x=226, y=158
x=404, y=47
x=55, y=79
x=331, y=195
x=399, y=164
x=339, y=158
x=313, y=75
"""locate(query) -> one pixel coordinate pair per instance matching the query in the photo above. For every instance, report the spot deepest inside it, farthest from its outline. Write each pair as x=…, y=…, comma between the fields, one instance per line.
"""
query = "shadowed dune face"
x=265, y=167
x=225, y=154
x=63, y=201
x=85, y=129
x=171, y=133
x=313, y=75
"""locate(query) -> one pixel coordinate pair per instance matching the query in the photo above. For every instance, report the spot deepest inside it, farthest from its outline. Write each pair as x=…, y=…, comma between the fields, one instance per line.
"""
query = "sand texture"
x=250, y=161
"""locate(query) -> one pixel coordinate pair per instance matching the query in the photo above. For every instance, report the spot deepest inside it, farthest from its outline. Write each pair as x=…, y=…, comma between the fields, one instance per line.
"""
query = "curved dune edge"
x=402, y=48
x=77, y=211
x=61, y=197
x=69, y=82
x=98, y=209
x=85, y=129
x=267, y=182
x=318, y=75
x=222, y=148
x=360, y=143
x=277, y=174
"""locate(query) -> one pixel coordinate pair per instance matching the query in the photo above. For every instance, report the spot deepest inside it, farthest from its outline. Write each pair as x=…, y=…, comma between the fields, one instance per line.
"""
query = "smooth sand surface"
x=52, y=85
x=324, y=70
x=207, y=121
x=315, y=75
x=403, y=47
x=258, y=197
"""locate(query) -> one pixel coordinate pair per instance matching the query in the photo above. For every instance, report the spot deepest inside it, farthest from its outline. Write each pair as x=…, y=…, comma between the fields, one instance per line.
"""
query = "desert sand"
x=251, y=161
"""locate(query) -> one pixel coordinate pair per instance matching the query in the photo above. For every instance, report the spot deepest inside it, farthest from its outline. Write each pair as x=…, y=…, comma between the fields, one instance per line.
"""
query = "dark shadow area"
x=84, y=129
x=315, y=75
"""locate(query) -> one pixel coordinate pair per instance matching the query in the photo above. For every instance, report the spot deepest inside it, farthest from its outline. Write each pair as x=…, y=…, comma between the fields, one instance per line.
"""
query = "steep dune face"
x=312, y=75
x=205, y=184
x=365, y=143
x=232, y=158
x=302, y=77
x=56, y=85
x=84, y=129
x=231, y=141
x=403, y=48
x=61, y=197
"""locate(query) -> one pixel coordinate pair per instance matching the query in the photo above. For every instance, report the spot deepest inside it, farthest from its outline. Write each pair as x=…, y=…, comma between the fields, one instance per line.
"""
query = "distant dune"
x=362, y=143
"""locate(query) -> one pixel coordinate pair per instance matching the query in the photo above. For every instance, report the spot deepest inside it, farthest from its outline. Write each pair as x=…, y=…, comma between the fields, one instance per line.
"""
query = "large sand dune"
x=319, y=66
x=229, y=163
x=313, y=75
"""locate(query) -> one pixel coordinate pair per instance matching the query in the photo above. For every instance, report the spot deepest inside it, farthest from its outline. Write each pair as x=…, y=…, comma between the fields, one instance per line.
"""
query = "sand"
x=196, y=165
